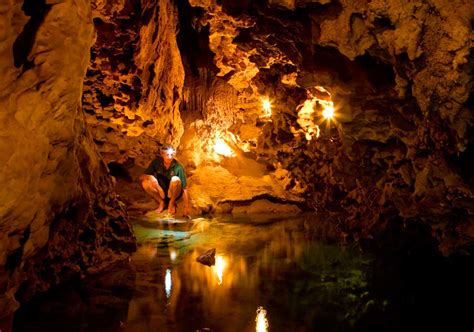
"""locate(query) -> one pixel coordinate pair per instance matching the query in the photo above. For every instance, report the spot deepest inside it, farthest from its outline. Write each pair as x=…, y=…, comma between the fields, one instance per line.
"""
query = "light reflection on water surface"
x=272, y=273
x=279, y=265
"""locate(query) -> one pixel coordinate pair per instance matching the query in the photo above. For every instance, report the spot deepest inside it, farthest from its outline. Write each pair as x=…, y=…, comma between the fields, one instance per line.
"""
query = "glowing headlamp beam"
x=170, y=151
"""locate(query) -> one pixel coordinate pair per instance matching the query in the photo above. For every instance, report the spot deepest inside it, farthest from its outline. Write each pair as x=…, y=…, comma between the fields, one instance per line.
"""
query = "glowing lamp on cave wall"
x=267, y=108
x=173, y=254
x=328, y=111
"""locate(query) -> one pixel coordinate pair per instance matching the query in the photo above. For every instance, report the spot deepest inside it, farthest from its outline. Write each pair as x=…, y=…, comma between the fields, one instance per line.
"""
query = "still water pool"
x=271, y=273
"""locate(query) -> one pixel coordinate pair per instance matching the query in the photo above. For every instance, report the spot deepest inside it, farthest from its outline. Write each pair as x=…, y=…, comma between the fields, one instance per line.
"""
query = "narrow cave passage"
x=311, y=144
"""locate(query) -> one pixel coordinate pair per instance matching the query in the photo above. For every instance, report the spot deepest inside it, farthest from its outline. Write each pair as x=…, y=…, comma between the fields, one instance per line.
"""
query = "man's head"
x=167, y=152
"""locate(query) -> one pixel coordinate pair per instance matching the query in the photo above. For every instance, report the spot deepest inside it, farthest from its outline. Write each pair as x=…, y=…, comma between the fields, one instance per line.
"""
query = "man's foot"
x=160, y=208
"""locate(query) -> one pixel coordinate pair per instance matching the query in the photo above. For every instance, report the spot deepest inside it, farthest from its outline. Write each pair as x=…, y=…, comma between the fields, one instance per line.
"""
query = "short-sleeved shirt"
x=158, y=170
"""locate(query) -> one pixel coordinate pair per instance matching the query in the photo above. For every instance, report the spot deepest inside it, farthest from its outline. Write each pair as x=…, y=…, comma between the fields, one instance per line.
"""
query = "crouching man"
x=165, y=181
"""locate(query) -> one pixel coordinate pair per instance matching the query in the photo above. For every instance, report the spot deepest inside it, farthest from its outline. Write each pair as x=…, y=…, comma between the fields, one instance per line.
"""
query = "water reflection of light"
x=219, y=268
x=262, y=321
x=173, y=254
x=168, y=283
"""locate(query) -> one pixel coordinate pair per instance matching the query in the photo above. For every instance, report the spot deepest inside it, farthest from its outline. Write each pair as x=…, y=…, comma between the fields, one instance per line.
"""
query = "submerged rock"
x=208, y=258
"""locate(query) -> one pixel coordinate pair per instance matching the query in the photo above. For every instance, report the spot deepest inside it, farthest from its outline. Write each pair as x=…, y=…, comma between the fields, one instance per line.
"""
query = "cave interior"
x=361, y=111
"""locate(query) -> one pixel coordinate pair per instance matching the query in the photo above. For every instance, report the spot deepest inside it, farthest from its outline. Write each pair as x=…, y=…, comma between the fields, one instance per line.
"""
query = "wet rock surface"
x=208, y=258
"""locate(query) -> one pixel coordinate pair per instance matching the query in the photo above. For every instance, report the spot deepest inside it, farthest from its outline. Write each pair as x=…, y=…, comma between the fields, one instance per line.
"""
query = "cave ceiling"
x=197, y=73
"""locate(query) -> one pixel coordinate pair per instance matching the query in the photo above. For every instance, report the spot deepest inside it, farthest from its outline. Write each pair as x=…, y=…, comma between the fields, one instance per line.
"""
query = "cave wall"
x=220, y=182
x=400, y=76
x=59, y=216
x=133, y=85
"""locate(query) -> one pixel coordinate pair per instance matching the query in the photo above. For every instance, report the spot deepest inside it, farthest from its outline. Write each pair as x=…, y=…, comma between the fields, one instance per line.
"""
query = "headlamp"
x=170, y=151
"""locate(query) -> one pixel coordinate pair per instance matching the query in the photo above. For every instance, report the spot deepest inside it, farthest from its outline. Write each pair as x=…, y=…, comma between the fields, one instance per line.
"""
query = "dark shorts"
x=165, y=185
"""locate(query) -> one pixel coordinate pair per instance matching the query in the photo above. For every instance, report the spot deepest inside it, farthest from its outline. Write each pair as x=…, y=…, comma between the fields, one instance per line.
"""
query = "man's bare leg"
x=153, y=189
x=173, y=193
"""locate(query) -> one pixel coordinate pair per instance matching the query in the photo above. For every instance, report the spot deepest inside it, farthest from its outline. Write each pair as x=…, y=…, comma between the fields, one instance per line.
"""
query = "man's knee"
x=149, y=182
x=175, y=186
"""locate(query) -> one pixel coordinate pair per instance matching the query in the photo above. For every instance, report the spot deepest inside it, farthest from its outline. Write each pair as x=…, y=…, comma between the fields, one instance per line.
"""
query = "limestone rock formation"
x=246, y=89
x=208, y=258
x=132, y=89
x=59, y=216
x=400, y=77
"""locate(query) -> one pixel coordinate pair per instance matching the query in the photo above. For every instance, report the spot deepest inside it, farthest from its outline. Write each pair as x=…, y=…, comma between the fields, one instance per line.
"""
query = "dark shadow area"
x=119, y=171
x=464, y=162
x=94, y=304
x=383, y=23
x=37, y=10
x=331, y=62
x=193, y=41
x=425, y=291
x=379, y=74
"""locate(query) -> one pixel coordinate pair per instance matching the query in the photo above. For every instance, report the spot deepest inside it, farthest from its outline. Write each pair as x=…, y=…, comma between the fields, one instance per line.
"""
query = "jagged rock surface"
x=59, y=216
x=400, y=76
x=133, y=85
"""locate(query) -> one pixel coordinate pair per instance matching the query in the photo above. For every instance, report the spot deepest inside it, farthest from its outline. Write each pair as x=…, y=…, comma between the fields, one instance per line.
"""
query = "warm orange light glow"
x=267, y=108
x=221, y=148
x=219, y=268
x=326, y=103
x=262, y=322
x=148, y=250
x=328, y=109
x=322, y=89
x=173, y=254
x=307, y=107
x=306, y=114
